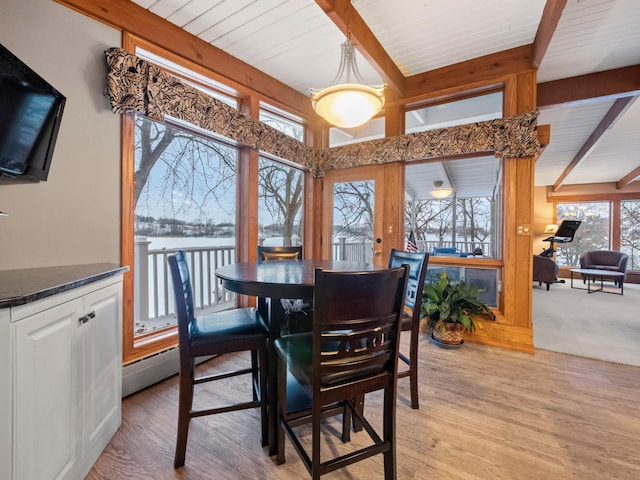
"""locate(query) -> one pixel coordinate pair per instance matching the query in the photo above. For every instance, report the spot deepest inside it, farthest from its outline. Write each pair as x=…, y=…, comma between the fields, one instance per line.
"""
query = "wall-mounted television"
x=30, y=115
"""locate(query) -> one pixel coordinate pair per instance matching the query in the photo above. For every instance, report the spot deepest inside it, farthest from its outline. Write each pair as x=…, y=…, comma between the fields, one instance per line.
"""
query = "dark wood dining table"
x=271, y=281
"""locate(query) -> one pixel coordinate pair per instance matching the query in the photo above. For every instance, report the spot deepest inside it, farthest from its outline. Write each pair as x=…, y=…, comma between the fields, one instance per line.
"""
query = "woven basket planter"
x=452, y=334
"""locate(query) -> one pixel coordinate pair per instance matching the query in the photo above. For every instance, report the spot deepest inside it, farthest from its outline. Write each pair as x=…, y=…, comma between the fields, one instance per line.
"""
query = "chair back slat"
x=357, y=318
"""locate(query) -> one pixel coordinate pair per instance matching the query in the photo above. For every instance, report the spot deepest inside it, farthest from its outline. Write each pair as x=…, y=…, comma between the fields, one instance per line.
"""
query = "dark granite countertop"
x=18, y=287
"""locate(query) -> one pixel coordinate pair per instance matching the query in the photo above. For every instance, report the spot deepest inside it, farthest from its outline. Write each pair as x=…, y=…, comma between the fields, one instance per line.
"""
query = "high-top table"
x=271, y=281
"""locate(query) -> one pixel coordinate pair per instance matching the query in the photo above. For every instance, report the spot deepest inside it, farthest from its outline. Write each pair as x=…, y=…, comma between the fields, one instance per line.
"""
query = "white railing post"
x=342, y=249
x=141, y=279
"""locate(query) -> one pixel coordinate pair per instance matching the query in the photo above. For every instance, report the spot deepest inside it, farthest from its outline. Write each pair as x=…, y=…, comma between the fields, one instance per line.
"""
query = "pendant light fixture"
x=348, y=102
x=439, y=192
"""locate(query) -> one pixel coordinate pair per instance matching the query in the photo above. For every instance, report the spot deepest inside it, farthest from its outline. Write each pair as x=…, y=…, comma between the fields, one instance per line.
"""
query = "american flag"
x=411, y=243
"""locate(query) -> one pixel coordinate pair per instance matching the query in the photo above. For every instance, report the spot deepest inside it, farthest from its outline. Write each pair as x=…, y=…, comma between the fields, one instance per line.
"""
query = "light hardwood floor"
x=485, y=414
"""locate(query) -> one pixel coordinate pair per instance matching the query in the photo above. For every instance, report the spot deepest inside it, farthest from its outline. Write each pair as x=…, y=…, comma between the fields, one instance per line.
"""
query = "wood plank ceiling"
x=594, y=139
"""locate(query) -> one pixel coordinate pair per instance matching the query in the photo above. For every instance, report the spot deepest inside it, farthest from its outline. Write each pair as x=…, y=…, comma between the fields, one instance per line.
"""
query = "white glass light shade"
x=441, y=193
x=348, y=105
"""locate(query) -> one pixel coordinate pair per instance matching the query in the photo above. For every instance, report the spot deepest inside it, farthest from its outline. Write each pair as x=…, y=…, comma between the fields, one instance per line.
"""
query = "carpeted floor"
x=595, y=325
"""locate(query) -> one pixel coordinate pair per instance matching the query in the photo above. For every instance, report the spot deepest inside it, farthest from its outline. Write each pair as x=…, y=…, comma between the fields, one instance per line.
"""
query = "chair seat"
x=227, y=325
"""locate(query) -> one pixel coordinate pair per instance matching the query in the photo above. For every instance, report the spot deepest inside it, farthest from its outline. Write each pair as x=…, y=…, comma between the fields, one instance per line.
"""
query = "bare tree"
x=630, y=232
x=281, y=187
x=192, y=169
x=353, y=201
x=195, y=169
x=431, y=217
x=474, y=218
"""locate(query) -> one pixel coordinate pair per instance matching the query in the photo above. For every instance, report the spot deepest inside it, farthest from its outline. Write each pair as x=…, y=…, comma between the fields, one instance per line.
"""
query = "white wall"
x=73, y=217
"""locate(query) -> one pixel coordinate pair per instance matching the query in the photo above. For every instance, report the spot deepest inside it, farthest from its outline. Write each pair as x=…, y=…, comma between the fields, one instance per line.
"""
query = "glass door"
x=352, y=210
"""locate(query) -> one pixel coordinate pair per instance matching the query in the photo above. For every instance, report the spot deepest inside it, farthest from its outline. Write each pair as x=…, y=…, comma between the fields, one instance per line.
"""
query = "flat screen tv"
x=30, y=115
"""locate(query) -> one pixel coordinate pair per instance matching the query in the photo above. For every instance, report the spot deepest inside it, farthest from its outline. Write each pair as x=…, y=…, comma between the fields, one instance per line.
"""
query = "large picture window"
x=185, y=194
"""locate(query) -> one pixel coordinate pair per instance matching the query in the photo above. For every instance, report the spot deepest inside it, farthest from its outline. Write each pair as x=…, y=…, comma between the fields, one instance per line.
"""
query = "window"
x=466, y=221
x=202, y=82
x=630, y=232
x=450, y=114
x=280, y=203
x=592, y=234
x=282, y=122
x=181, y=191
x=280, y=187
x=185, y=194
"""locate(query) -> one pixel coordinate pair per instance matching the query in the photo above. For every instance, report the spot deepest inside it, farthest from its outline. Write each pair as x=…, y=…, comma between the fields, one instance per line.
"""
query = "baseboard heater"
x=150, y=370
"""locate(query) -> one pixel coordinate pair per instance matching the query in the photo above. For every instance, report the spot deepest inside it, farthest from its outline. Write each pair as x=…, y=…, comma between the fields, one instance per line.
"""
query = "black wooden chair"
x=237, y=330
x=298, y=314
x=418, y=263
x=351, y=351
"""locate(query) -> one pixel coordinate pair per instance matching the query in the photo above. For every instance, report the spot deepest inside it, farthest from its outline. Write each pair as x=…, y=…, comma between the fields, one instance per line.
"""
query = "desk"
x=592, y=273
x=272, y=281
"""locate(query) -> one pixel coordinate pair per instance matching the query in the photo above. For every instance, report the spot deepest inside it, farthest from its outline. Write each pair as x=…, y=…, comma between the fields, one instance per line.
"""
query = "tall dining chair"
x=351, y=351
x=418, y=263
x=298, y=314
x=236, y=330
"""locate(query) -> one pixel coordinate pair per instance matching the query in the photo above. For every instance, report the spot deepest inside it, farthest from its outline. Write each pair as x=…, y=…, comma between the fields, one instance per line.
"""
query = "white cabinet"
x=67, y=380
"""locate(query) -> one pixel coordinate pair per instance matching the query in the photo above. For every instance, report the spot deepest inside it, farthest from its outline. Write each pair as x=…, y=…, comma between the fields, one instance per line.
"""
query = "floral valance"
x=134, y=85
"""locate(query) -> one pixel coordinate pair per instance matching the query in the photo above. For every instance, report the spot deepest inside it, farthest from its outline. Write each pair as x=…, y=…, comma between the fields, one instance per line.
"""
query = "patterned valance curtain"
x=134, y=85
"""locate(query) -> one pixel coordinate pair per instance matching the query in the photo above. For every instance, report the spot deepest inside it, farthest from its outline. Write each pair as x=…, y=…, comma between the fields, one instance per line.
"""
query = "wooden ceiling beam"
x=346, y=18
x=548, y=24
x=618, y=82
x=614, y=112
x=544, y=135
x=628, y=178
x=125, y=15
x=470, y=72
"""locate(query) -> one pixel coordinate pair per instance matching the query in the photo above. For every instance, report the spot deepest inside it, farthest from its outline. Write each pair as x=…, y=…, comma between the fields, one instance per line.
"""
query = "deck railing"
x=154, y=303
x=154, y=297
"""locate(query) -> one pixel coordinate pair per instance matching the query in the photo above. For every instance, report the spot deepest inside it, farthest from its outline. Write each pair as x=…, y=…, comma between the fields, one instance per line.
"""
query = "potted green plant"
x=450, y=308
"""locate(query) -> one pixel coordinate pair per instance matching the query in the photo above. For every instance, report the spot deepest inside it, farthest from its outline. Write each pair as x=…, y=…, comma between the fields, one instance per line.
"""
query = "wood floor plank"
x=485, y=414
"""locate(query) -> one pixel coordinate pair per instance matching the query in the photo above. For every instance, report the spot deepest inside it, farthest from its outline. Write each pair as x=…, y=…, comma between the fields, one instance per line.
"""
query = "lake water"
x=158, y=243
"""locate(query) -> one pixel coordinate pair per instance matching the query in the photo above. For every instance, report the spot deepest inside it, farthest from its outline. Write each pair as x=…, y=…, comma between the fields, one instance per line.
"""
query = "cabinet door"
x=5, y=394
x=102, y=370
x=47, y=377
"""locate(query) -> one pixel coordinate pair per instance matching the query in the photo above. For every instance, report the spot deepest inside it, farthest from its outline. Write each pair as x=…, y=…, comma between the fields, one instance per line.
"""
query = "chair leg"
x=346, y=421
x=255, y=371
x=315, y=444
x=389, y=434
x=185, y=403
x=413, y=369
x=358, y=403
x=262, y=360
x=282, y=410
